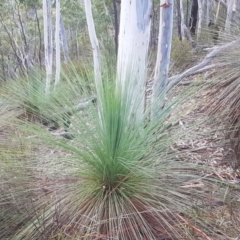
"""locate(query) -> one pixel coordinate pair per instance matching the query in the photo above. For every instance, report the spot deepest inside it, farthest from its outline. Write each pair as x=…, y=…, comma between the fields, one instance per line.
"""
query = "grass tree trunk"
x=134, y=37
x=57, y=43
x=48, y=46
x=163, y=57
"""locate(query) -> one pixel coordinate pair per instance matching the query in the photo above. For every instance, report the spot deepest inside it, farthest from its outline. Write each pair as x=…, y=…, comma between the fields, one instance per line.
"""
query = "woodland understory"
x=101, y=137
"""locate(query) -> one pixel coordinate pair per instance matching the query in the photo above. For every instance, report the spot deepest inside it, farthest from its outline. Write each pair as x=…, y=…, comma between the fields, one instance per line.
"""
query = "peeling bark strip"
x=134, y=36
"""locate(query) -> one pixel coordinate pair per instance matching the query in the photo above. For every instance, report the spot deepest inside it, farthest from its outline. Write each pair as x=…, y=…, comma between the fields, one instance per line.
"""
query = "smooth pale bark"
x=163, y=56
x=200, y=16
x=182, y=20
x=222, y=3
x=57, y=44
x=210, y=12
x=94, y=42
x=134, y=37
x=48, y=46
x=229, y=15
x=236, y=12
x=64, y=41
x=217, y=13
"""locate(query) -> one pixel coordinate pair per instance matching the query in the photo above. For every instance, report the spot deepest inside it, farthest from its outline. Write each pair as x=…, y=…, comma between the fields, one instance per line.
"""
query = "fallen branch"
x=202, y=66
x=194, y=228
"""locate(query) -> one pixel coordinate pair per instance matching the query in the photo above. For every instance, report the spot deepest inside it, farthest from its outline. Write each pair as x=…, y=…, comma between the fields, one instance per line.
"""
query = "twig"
x=195, y=228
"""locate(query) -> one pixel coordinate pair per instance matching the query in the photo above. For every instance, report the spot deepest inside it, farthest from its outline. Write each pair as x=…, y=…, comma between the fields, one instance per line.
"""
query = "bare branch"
x=222, y=3
x=201, y=67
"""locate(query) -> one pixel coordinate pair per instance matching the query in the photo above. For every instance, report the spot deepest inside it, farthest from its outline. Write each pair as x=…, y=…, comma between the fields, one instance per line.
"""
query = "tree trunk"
x=40, y=39
x=64, y=41
x=229, y=15
x=236, y=15
x=179, y=20
x=134, y=36
x=193, y=17
x=182, y=20
x=187, y=13
x=48, y=46
x=200, y=16
x=163, y=57
x=57, y=44
x=94, y=43
x=116, y=27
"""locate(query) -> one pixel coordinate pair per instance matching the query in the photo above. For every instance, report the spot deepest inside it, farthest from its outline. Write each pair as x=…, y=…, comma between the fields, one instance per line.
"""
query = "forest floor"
x=206, y=144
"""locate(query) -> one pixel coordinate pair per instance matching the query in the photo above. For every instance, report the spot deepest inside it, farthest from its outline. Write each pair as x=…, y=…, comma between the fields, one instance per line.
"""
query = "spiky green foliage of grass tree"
x=116, y=179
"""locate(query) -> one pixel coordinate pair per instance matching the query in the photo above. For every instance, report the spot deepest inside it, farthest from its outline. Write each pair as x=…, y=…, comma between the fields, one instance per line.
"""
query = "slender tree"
x=57, y=43
x=94, y=43
x=164, y=50
x=193, y=17
x=48, y=44
x=200, y=17
x=230, y=8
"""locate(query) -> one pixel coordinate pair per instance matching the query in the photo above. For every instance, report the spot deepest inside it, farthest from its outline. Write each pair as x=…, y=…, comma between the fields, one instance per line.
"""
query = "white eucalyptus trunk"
x=57, y=44
x=134, y=37
x=236, y=12
x=48, y=46
x=200, y=16
x=64, y=41
x=182, y=20
x=94, y=42
x=230, y=6
x=217, y=13
x=208, y=6
x=163, y=56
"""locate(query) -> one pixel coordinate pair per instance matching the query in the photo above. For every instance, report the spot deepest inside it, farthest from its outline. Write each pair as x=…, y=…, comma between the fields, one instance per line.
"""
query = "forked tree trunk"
x=57, y=43
x=48, y=46
x=134, y=36
x=163, y=57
